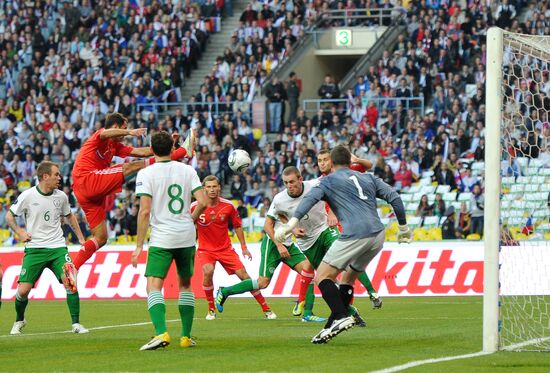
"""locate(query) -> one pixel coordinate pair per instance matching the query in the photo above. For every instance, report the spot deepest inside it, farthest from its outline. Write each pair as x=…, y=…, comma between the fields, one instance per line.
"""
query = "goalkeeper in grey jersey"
x=352, y=198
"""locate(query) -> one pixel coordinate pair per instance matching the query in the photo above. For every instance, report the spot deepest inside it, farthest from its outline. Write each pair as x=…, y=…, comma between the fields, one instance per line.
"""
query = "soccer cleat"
x=376, y=301
x=313, y=318
x=186, y=342
x=17, y=327
x=220, y=300
x=337, y=327
x=70, y=272
x=79, y=329
x=211, y=315
x=270, y=315
x=161, y=340
x=321, y=337
x=359, y=321
x=189, y=144
x=298, y=308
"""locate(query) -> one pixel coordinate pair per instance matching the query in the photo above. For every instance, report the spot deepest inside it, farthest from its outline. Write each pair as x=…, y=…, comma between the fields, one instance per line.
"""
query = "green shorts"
x=271, y=257
x=37, y=259
x=316, y=252
x=159, y=261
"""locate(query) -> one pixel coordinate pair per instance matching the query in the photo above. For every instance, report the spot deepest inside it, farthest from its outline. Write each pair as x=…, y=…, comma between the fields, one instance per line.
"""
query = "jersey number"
x=47, y=216
x=175, y=205
x=359, y=189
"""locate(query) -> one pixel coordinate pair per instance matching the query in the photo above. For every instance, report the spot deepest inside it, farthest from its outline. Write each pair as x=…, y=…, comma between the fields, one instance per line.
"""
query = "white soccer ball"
x=239, y=160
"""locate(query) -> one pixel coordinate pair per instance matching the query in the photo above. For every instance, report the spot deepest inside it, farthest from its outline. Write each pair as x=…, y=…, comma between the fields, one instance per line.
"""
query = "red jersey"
x=212, y=225
x=97, y=154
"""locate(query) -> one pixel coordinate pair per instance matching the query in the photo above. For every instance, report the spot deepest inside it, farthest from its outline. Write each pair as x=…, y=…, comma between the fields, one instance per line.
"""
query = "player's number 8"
x=175, y=205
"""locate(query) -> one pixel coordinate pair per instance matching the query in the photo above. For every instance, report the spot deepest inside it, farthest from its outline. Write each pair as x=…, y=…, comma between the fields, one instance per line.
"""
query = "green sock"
x=364, y=279
x=73, y=301
x=186, y=305
x=242, y=287
x=20, y=305
x=157, y=311
x=352, y=311
x=310, y=299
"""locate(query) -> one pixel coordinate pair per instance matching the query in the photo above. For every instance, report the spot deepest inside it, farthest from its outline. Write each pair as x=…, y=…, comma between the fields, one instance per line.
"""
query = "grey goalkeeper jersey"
x=352, y=197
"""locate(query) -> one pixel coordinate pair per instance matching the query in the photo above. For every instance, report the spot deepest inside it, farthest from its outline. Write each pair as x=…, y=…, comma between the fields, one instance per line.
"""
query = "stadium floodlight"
x=516, y=306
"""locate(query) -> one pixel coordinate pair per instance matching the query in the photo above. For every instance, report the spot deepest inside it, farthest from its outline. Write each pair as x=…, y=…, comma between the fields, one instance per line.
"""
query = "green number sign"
x=343, y=38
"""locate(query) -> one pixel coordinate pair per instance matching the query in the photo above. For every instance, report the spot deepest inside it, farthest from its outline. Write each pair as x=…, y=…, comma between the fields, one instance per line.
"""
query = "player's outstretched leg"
x=69, y=277
x=373, y=295
x=239, y=288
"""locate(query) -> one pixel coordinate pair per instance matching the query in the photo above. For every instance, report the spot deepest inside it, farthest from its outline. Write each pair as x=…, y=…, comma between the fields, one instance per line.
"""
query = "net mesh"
x=525, y=199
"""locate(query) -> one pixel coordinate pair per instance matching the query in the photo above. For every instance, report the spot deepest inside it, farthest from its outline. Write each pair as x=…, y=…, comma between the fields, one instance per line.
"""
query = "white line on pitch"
x=413, y=364
x=126, y=326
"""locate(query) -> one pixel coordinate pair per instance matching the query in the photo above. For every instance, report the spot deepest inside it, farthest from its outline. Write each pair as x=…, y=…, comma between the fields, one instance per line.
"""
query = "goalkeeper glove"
x=404, y=234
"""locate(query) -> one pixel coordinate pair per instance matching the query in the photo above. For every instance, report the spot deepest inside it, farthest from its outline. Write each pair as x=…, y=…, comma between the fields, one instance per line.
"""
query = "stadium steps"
x=386, y=42
x=216, y=44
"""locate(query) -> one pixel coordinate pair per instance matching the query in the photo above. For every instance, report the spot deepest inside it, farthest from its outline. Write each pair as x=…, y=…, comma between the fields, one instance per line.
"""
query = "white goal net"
x=524, y=257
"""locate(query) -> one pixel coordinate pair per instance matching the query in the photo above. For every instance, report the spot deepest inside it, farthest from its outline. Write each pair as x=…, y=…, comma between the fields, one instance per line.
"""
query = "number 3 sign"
x=343, y=38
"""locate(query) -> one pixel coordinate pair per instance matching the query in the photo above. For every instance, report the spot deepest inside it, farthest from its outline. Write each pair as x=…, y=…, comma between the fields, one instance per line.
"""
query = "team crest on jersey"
x=57, y=203
x=271, y=270
x=23, y=271
x=222, y=217
x=212, y=216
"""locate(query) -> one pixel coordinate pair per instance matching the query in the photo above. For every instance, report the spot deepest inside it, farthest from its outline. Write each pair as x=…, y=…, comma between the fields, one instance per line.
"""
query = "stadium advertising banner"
x=419, y=269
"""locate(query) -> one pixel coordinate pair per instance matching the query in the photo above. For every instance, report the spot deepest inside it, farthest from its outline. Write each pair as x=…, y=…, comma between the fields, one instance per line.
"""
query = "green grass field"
x=404, y=330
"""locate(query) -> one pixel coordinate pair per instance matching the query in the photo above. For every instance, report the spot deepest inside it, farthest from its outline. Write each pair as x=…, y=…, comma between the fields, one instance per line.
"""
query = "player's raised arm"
x=141, y=152
x=202, y=201
x=118, y=132
x=360, y=164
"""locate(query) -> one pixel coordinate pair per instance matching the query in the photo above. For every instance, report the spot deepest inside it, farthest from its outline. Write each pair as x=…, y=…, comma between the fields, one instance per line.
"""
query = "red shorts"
x=229, y=259
x=91, y=191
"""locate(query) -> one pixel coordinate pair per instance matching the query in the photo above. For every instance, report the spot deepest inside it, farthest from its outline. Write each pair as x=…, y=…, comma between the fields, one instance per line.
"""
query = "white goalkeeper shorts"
x=356, y=254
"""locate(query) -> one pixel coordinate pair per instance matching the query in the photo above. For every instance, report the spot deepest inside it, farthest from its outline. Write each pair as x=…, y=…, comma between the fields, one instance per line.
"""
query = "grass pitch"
x=404, y=330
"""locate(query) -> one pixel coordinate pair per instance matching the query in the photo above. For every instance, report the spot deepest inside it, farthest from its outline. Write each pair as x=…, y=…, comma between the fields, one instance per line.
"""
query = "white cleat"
x=270, y=315
x=321, y=337
x=337, y=327
x=211, y=315
x=17, y=327
x=79, y=329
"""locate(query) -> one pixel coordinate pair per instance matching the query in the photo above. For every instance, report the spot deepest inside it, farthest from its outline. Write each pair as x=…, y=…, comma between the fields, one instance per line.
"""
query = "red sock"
x=149, y=161
x=305, y=280
x=178, y=154
x=261, y=300
x=209, y=292
x=86, y=252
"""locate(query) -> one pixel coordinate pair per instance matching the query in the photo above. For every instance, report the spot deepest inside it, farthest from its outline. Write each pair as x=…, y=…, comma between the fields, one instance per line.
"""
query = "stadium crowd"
x=64, y=67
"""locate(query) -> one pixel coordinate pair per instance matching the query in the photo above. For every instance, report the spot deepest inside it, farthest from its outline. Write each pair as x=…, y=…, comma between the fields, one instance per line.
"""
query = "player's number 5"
x=359, y=189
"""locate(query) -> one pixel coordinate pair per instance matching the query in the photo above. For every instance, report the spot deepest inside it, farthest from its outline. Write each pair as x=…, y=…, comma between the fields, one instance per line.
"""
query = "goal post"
x=493, y=99
x=516, y=302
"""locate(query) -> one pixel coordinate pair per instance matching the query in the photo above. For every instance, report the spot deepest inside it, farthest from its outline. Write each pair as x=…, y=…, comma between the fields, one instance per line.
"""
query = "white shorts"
x=356, y=254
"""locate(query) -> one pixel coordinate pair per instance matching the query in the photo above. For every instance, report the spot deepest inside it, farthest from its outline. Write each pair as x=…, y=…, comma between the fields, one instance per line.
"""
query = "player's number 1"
x=359, y=189
x=175, y=205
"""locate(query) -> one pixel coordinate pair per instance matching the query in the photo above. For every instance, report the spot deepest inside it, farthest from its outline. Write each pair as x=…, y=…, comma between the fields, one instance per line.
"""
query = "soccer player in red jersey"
x=361, y=165
x=215, y=245
x=94, y=179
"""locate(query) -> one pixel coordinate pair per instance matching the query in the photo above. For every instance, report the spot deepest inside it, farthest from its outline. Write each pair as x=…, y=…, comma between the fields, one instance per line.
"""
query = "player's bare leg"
x=186, y=306
x=339, y=320
x=257, y=294
x=157, y=312
x=208, y=287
